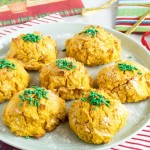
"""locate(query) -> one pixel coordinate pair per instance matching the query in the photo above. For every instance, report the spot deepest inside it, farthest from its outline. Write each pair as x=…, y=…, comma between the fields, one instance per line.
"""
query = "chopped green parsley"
x=64, y=64
x=90, y=31
x=31, y=38
x=96, y=99
x=83, y=99
x=6, y=64
x=126, y=67
x=32, y=96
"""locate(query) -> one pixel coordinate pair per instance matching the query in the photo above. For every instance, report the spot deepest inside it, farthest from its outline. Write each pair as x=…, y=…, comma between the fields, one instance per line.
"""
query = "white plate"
x=62, y=137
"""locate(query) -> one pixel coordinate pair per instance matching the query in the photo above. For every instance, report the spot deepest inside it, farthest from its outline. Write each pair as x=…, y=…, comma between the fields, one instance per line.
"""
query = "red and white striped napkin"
x=141, y=141
x=48, y=19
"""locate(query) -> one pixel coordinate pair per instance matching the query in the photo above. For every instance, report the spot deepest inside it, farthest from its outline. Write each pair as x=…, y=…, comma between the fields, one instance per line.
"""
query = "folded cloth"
x=20, y=11
x=140, y=141
x=129, y=12
x=48, y=19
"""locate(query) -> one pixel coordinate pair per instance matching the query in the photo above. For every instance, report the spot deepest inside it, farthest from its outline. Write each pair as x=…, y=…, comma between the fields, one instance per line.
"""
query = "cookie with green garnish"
x=66, y=77
x=33, y=112
x=93, y=46
x=96, y=117
x=126, y=80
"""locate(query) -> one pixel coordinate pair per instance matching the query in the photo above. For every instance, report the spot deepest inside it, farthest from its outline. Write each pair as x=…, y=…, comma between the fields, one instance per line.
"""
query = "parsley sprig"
x=83, y=99
x=64, y=64
x=90, y=31
x=96, y=99
x=31, y=37
x=33, y=95
x=6, y=64
x=126, y=67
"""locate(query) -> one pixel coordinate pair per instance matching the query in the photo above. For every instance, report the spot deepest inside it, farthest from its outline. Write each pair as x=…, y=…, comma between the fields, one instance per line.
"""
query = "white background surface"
x=105, y=18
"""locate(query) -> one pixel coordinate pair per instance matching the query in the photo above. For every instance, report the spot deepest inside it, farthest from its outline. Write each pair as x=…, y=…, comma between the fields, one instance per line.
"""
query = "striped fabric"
x=48, y=19
x=141, y=141
x=129, y=12
x=64, y=13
